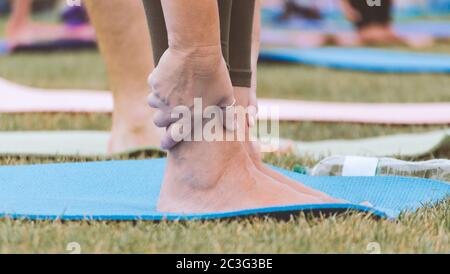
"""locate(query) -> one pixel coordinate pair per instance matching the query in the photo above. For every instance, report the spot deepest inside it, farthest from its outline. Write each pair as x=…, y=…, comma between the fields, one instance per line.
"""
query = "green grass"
x=86, y=70
x=424, y=231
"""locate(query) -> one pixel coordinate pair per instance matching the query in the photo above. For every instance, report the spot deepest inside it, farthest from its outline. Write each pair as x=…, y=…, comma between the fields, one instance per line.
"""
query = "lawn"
x=424, y=231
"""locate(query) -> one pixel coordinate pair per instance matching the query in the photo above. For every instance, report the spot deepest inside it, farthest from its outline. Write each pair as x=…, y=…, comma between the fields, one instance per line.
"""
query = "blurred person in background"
x=125, y=45
x=292, y=8
x=373, y=24
x=21, y=29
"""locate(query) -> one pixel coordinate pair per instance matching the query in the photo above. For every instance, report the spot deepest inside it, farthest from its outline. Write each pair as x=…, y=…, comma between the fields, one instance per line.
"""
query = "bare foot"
x=30, y=32
x=124, y=139
x=375, y=35
x=222, y=176
x=254, y=153
x=346, y=40
x=385, y=35
x=242, y=98
x=213, y=176
x=223, y=179
x=133, y=129
x=418, y=41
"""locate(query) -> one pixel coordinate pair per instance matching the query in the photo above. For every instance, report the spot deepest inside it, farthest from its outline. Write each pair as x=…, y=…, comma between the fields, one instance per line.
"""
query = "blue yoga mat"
x=439, y=29
x=334, y=12
x=128, y=190
x=362, y=59
x=433, y=28
x=4, y=48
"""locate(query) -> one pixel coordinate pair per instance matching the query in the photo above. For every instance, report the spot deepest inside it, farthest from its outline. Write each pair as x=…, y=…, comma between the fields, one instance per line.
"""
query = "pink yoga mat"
x=371, y=113
x=274, y=37
x=304, y=39
x=16, y=98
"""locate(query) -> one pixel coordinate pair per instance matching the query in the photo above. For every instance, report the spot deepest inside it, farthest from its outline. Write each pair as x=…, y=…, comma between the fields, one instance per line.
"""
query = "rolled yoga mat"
x=17, y=98
x=4, y=48
x=362, y=59
x=368, y=113
x=297, y=39
x=77, y=37
x=128, y=190
x=61, y=143
x=404, y=145
x=95, y=144
x=22, y=99
x=436, y=29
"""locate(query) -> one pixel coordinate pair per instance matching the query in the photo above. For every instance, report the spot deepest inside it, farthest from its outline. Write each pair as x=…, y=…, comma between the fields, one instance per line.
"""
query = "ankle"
x=134, y=122
x=195, y=168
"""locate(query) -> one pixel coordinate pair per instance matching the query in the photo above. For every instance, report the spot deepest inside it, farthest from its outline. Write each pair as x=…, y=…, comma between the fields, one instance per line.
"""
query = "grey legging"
x=236, y=25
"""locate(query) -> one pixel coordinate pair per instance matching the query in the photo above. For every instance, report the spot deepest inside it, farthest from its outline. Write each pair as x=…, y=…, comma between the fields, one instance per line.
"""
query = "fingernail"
x=168, y=143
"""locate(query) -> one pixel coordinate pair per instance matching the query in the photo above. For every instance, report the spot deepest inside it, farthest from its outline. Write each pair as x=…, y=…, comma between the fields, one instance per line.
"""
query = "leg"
x=20, y=29
x=245, y=86
x=384, y=34
x=207, y=176
x=374, y=24
x=225, y=7
x=20, y=17
x=192, y=66
x=158, y=29
x=122, y=29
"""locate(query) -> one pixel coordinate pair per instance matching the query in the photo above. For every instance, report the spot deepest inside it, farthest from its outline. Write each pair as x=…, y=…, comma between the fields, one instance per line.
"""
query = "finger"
x=163, y=118
x=229, y=119
x=168, y=143
x=227, y=102
x=155, y=85
x=175, y=133
x=151, y=79
x=155, y=102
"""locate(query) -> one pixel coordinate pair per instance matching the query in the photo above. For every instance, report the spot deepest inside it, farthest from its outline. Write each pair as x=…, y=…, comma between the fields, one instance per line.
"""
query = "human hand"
x=179, y=78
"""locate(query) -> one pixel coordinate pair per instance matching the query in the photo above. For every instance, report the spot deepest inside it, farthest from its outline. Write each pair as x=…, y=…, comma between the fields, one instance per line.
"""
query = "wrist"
x=203, y=60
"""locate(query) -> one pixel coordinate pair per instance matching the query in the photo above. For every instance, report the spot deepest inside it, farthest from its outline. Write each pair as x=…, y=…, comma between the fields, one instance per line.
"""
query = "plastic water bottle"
x=438, y=169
